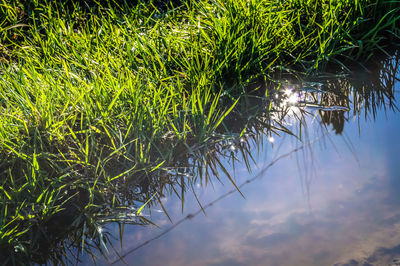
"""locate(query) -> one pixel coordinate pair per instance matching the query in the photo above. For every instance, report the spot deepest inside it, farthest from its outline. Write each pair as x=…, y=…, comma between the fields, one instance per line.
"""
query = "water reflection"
x=337, y=215
x=350, y=217
x=225, y=209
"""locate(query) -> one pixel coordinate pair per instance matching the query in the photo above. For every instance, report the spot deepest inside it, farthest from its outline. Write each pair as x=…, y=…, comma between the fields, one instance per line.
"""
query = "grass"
x=99, y=96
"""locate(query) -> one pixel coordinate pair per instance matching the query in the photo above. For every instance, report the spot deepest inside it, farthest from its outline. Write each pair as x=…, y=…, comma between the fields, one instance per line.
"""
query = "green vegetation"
x=96, y=97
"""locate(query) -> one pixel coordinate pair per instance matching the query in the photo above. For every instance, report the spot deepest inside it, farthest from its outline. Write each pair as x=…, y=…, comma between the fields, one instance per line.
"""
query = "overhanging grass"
x=92, y=95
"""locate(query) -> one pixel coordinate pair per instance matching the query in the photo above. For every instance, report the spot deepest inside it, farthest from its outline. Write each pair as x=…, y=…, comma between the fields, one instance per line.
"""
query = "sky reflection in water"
x=336, y=203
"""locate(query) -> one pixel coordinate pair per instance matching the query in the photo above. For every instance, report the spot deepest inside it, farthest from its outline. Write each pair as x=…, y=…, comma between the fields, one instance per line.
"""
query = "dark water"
x=330, y=199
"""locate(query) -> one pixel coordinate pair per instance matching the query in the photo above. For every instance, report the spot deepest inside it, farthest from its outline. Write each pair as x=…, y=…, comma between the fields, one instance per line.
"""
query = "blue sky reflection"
x=325, y=206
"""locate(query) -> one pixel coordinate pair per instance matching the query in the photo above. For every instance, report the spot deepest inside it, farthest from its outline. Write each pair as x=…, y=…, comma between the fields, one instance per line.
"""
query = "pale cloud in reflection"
x=345, y=215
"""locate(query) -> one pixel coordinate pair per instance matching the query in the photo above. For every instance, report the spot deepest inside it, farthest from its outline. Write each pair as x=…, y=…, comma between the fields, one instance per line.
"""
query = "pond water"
x=329, y=199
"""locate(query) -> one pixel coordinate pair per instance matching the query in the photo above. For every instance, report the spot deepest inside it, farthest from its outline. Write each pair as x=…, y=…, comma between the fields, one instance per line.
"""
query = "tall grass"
x=95, y=96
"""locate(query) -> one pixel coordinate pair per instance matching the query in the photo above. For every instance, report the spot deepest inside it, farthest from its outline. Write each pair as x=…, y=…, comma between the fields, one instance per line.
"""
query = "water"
x=331, y=199
x=345, y=208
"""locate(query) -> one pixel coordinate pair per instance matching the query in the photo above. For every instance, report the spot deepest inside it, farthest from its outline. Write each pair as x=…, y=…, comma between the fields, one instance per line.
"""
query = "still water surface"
x=334, y=202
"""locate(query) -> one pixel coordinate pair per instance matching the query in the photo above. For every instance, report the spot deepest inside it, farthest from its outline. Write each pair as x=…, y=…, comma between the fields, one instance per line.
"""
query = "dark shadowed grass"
x=98, y=97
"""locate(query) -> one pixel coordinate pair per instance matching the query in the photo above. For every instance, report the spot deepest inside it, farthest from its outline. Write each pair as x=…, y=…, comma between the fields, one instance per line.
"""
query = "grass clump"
x=95, y=96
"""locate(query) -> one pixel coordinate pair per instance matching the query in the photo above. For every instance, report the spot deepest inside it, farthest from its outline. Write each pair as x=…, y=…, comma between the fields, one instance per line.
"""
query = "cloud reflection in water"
x=346, y=216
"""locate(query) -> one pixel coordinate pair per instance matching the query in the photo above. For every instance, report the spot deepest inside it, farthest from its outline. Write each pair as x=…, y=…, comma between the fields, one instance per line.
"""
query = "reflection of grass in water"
x=202, y=209
x=95, y=102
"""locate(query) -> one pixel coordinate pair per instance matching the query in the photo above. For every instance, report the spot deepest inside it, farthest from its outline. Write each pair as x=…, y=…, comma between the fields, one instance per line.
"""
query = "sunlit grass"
x=94, y=97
